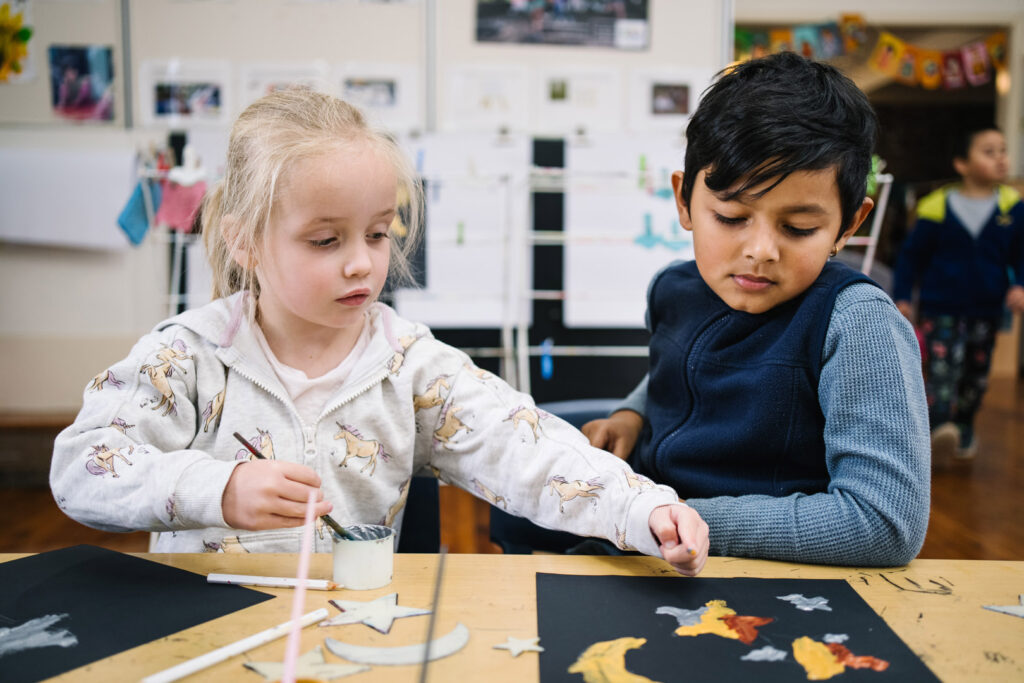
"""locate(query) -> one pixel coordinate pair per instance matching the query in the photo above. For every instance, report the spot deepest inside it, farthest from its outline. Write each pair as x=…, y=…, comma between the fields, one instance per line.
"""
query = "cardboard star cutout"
x=517, y=646
x=378, y=614
x=1013, y=610
x=311, y=665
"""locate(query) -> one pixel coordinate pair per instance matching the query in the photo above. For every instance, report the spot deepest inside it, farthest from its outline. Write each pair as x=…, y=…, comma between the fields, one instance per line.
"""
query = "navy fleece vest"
x=732, y=403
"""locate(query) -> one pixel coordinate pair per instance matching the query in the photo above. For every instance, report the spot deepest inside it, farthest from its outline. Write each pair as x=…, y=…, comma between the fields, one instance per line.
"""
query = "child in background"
x=967, y=241
x=342, y=396
x=784, y=400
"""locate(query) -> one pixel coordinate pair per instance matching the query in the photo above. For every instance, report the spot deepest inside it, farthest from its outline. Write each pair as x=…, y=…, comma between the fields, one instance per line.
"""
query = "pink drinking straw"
x=291, y=653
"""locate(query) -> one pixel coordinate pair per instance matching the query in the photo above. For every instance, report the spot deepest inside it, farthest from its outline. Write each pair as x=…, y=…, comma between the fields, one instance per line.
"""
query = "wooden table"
x=934, y=605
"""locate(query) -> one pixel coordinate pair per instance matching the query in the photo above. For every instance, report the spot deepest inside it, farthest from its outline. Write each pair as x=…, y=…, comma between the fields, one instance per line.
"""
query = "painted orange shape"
x=847, y=658
x=722, y=620
x=745, y=627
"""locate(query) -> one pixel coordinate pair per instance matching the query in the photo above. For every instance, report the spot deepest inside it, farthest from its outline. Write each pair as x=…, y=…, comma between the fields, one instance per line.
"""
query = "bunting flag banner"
x=831, y=40
x=996, y=44
x=760, y=46
x=906, y=68
x=929, y=68
x=953, y=70
x=976, y=64
x=780, y=40
x=854, y=30
x=806, y=41
x=887, y=54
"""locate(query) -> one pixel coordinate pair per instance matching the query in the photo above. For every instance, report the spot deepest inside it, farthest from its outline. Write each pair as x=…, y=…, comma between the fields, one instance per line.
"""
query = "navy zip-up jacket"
x=732, y=404
x=959, y=274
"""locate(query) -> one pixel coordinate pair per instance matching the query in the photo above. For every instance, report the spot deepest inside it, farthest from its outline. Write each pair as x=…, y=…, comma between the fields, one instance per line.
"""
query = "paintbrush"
x=328, y=520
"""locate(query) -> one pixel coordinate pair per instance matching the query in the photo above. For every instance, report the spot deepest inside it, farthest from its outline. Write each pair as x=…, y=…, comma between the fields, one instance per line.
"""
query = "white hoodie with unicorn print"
x=152, y=448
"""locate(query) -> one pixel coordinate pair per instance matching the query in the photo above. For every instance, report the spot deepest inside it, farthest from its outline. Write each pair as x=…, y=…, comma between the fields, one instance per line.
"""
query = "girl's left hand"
x=682, y=537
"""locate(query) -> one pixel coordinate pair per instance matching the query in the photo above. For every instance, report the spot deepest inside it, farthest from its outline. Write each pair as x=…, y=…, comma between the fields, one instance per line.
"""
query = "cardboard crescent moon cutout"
x=447, y=644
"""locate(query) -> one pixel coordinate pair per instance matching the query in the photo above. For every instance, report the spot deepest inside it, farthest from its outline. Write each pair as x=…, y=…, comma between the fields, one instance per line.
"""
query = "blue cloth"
x=134, y=220
x=959, y=274
x=873, y=510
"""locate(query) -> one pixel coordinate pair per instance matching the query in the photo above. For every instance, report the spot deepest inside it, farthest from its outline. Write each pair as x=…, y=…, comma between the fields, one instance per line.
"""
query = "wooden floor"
x=977, y=508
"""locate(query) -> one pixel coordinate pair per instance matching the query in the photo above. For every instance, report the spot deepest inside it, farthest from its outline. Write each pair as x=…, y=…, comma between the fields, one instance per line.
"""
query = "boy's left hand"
x=682, y=537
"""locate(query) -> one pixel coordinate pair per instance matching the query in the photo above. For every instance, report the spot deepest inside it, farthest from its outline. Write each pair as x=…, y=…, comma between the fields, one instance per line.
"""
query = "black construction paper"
x=114, y=602
x=574, y=612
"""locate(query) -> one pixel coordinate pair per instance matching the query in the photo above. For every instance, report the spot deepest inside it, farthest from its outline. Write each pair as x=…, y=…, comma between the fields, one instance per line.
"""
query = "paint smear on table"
x=35, y=633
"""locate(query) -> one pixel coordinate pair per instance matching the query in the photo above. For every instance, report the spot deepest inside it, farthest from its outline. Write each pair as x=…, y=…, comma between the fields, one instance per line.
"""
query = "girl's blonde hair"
x=267, y=139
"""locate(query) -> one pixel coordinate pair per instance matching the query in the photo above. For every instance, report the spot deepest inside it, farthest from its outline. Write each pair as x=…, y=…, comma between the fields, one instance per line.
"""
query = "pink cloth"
x=179, y=205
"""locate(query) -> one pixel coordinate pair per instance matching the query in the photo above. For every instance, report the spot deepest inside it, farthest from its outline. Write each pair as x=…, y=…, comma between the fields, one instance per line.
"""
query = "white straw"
x=270, y=581
x=219, y=655
x=291, y=652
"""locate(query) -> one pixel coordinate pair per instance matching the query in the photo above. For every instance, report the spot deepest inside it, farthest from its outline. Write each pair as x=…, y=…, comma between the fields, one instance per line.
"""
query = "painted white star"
x=517, y=646
x=311, y=665
x=1014, y=610
x=378, y=614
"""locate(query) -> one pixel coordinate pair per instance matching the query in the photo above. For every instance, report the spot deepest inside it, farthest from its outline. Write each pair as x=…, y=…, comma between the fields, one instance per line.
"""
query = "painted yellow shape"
x=818, y=661
x=605, y=662
x=711, y=622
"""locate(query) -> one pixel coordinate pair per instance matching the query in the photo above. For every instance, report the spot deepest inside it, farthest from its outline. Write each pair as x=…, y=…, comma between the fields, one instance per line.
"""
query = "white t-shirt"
x=310, y=396
x=972, y=211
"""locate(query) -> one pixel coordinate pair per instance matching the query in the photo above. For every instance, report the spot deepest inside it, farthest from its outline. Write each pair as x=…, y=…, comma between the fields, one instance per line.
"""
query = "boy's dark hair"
x=769, y=117
x=962, y=143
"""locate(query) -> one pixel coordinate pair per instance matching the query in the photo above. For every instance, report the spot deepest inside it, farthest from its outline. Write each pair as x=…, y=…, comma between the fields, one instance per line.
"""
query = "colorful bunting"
x=953, y=70
x=996, y=44
x=972, y=64
x=976, y=64
x=854, y=30
x=806, y=41
x=780, y=40
x=929, y=69
x=906, y=69
x=887, y=54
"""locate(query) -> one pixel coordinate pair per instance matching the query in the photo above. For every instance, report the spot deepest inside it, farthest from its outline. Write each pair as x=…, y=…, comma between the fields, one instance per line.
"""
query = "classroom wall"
x=65, y=313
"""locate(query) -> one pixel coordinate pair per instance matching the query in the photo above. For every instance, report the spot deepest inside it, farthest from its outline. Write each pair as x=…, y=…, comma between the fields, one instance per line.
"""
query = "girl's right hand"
x=617, y=434
x=270, y=494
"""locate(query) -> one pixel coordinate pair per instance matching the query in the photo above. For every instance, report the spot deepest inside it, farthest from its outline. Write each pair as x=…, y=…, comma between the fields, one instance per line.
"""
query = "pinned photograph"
x=598, y=23
x=370, y=92
x=194, y=100
x=179, y=92
x=388, y=93
x=670, y=98
x=81, y=85
x=262, y=79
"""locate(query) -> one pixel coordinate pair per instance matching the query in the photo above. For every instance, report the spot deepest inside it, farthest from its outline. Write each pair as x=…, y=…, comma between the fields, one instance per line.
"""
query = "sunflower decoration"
x=13, y=42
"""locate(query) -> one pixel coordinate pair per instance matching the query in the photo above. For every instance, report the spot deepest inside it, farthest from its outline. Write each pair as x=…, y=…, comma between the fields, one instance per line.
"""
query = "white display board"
x=621, y=225
x=477, y=199
x=70, y=197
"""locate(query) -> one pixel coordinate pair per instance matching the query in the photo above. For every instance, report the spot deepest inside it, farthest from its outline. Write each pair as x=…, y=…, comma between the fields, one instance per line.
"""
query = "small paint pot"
x=368, y=560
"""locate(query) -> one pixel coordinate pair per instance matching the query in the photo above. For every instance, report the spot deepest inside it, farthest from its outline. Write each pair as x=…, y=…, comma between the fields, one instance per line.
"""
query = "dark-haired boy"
x=784, y=400
x=967, y=239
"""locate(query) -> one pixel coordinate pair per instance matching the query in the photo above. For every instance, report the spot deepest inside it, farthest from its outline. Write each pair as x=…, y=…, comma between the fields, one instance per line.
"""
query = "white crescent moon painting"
x=448, y=644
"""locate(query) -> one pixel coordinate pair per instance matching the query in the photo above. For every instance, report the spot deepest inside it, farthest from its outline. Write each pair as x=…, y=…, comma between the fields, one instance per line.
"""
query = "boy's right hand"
x=270, y=494
x=617, y=434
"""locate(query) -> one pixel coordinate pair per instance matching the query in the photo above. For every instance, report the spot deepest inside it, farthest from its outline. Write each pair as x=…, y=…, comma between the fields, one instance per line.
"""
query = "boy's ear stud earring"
x=834, y=252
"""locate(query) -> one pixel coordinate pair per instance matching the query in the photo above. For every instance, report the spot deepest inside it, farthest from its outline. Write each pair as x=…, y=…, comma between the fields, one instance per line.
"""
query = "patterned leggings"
x=958, y=352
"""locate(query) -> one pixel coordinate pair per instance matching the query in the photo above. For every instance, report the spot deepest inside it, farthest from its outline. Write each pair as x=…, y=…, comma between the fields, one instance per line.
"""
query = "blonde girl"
x=295, y=353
